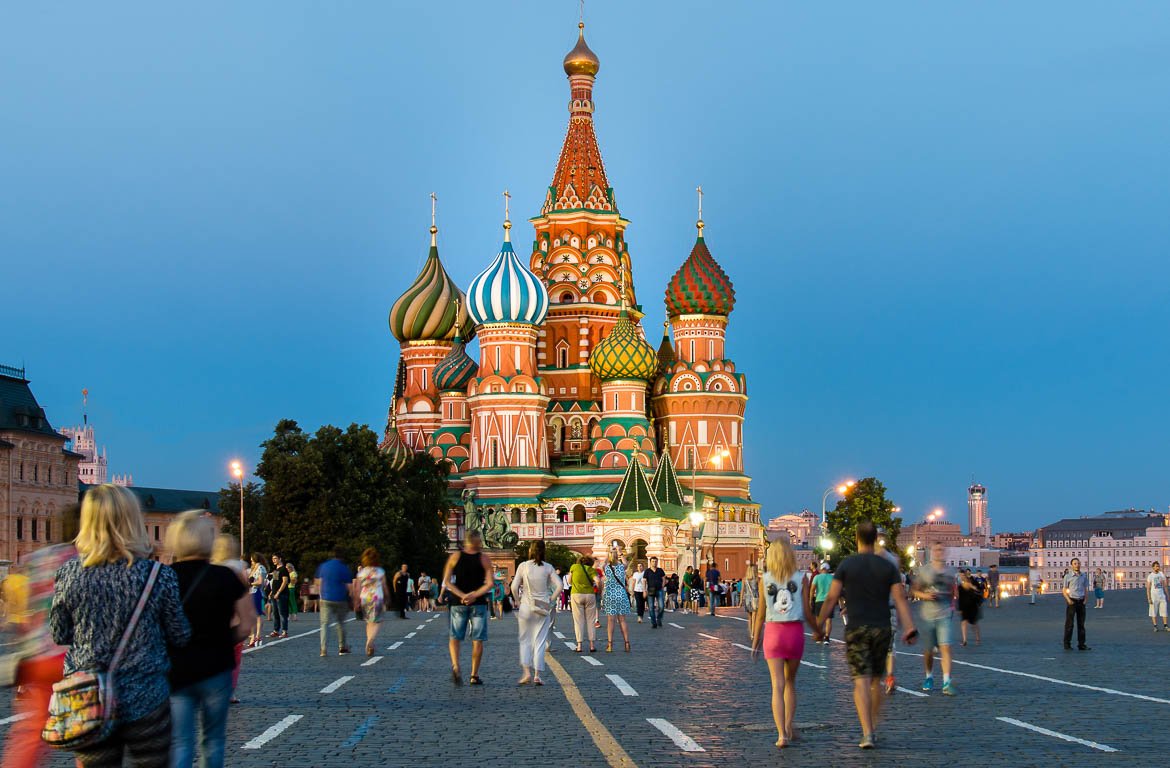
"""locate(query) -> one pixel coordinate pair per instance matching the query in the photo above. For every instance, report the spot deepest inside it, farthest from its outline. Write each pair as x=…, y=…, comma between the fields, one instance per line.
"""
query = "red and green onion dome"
x=700, y=287
x=455, y=370
x=427, y=310
x=396, y=454
x=624, y=354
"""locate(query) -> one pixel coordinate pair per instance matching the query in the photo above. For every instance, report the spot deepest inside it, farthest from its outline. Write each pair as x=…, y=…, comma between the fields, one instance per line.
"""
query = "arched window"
x=579, y=514
x=562, y=515
x=516, y=516
x=530, y=515
x=567, y=297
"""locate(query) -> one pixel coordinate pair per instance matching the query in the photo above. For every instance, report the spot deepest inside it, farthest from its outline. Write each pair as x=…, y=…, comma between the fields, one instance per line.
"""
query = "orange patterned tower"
x=580, y=253
x=699, y=400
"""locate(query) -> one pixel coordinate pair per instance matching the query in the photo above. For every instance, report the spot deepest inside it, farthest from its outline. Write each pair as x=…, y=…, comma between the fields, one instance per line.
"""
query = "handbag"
x=541, y=606
x=81, y=710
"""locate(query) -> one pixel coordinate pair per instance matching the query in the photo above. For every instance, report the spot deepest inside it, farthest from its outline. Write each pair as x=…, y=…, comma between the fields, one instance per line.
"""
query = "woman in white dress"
x=537, y=585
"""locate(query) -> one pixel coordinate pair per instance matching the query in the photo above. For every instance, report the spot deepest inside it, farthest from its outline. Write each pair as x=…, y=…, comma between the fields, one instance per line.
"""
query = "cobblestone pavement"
x=1021, y=698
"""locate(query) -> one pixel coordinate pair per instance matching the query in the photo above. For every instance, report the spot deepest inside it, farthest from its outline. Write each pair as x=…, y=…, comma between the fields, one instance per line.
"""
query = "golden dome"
x=581, y=60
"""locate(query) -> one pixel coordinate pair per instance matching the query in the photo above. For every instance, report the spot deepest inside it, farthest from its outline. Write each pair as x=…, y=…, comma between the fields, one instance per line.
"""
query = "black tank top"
x=468, y=574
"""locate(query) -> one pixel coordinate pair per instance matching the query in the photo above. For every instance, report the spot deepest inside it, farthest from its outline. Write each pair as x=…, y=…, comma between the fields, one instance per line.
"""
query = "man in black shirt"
x=279, y=597
x=655, y=583
x=868, y=582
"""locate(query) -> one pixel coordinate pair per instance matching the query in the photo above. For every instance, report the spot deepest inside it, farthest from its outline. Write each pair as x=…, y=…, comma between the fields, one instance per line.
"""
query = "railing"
x=13, y=371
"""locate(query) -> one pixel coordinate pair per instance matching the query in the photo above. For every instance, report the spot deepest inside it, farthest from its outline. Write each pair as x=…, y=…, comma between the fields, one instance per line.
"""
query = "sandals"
x=456, y=678
x=627, y=646
x=537, y=681
x=609, y=647
x=474, y=680
x=369, y=649
x=592, y=648
x=577, y=649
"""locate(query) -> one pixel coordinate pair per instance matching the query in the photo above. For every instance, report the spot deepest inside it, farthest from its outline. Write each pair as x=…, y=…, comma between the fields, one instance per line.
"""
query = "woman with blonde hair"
x=93, y=601
x=537, y=584
x=784, y=590
x=371, y=589
x=223, y=552
x=217, y=603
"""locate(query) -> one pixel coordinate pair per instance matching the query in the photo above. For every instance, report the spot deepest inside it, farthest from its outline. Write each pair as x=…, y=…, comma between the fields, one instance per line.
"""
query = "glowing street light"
x=238, y=473
x=717, y=459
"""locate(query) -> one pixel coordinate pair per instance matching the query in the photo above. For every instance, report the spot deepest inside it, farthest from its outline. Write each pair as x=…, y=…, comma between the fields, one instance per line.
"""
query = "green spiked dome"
x=700, y=287
x=427, y=310
x=623, y=354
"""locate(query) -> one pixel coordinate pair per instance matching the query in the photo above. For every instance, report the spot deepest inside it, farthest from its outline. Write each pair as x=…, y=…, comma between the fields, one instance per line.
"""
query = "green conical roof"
x=633, y=494
x=666, y=487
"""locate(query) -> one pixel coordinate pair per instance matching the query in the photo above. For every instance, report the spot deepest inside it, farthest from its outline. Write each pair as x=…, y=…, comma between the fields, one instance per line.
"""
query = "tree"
x=865, y=500
x=558, y=554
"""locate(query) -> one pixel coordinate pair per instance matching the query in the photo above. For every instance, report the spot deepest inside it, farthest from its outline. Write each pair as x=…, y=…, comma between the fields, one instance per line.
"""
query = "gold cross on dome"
x=434, y=197
x=699, y=189
x=507, y=200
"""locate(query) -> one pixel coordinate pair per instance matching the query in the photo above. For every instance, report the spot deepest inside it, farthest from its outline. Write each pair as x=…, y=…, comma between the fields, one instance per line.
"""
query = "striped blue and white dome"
x=507, y=292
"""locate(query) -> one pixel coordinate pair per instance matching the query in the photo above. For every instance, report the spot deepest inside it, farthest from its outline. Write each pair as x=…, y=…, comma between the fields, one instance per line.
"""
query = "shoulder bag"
x=81, y=710
x=540, y=603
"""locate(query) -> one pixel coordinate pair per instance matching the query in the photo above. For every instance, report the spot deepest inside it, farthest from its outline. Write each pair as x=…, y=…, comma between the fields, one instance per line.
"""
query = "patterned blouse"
x=91, y=608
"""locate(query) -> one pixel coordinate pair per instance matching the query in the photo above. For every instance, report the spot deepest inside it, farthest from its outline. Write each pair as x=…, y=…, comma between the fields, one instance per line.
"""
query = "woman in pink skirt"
x=786, y=607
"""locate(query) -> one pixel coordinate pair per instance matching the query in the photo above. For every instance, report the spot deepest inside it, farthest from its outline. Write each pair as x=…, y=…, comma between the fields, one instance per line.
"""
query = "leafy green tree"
x=558, y=554
x=865, y=500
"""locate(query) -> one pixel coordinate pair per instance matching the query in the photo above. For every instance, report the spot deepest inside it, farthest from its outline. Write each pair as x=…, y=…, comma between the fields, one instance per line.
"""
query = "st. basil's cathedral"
x=571, y=427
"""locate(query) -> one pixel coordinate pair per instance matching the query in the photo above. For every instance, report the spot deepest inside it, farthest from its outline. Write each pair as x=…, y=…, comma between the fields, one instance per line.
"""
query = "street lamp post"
x=826, y=544
x=238, y=472
x=718, y=459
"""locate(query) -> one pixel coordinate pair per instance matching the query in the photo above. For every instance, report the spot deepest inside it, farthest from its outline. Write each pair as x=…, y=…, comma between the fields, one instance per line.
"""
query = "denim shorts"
x=936, y=632
x=458, y=618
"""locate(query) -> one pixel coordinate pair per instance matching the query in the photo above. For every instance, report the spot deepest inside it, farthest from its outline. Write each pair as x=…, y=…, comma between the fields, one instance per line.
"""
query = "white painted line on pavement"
x=622, y=685
x=919, y=694
x=410, y=635
x=278, y=641
x=373, y=660
x=734, y=618
x=709, y=637
x=677, y=626
x=1055, y=680
x=14, y=718
x=684, y=742
x=272, y=732
x=570, y=646
x=1065, y=736
x=420, y=626
x=593, y=661
x=810, y=664
x=559, y=635
x=741, y=645
x=394, y=647
x=337, y=684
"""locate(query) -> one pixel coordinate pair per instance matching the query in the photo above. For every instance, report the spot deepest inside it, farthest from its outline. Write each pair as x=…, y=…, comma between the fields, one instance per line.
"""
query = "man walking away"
x=713, y=584
x=1156, y=595
x=638, y=587
x=820, y=586
x=868, y=583
x=934, y=585
x=655, y=583
x=279, y=597
x=993, y=585
x=401, y=582
x=1076, y=589
x=468, y=576
x=333, y=586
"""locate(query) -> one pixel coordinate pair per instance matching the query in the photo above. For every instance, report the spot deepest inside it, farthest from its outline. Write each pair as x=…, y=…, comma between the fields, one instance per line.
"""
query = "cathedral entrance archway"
x=637, y=551
x=579, y=513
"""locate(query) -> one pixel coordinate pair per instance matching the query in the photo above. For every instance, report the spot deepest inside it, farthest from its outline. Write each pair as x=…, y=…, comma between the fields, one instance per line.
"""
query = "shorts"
x=783, y=640
x=459, y=616
x=866, y=649
x=817, y=609
x=936, y=632
x=1158, y=608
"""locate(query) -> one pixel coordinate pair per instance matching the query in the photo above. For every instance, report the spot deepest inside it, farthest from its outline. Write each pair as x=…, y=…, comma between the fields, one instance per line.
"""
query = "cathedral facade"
x=569, y=426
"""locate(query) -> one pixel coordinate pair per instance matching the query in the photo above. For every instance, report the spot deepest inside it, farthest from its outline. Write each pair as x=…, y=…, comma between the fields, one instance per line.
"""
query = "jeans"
x=714, y=599
x=209, y=699
x=333, y=611
x=280, y=613
x=1075, y=609
x=657, y=606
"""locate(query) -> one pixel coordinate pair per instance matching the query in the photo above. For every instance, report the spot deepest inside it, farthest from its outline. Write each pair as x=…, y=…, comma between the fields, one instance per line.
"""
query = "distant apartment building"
x=916, y=539
x=38, y=474
x=1016, y=542
x=161, y=505
x=1122, y=544
x=801, y=529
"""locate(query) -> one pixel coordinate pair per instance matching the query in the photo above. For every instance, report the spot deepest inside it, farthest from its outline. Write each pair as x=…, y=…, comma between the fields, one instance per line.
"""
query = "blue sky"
x=947, y=223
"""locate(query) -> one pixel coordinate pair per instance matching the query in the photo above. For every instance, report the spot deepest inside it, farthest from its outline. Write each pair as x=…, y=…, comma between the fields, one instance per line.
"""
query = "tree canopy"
x=558, y=554
x=865, y=500
x=334, y=488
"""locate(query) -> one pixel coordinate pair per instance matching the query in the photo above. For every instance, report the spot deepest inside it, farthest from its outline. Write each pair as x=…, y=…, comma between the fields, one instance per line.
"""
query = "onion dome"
x=392, y=447
x=700, y=286
x=507, y=292
x=581, y=60
x=455, y=370
x=666, y=356
x=623, y=354
x=427, y=311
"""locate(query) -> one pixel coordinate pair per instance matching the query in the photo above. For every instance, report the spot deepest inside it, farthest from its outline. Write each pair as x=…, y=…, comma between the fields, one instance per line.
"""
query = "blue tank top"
x=784, y=601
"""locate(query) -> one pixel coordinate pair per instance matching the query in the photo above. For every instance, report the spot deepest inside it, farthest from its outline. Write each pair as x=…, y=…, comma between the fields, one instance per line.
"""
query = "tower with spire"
x=568, y=410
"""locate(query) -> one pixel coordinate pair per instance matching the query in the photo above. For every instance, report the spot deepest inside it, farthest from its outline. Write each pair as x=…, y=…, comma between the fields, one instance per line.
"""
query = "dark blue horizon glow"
x=946, y=223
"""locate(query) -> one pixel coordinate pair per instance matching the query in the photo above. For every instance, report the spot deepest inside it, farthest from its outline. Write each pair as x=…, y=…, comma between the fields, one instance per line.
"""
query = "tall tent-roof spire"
x=666, y=486
x=633, y=494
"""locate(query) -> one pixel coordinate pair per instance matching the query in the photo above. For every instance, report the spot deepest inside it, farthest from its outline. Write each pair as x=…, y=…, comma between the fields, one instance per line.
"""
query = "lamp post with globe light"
x=238, y=473
x=717, y=459
x=825, y=542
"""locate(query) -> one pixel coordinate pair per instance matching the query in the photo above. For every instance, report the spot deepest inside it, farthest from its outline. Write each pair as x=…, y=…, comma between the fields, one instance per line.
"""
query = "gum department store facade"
x=570, y=426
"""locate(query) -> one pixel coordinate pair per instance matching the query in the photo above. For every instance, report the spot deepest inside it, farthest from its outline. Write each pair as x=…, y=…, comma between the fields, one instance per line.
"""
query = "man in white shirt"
x=1156, y=595
x=566, y=586
x=638, y=587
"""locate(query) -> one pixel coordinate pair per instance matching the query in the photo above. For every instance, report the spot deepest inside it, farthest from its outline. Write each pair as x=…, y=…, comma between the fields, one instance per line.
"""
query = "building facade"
x=566, y=398
x=978, y=522
x=801, y=529
x=94, y=468
x=1122, y=544
x=38, y=474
